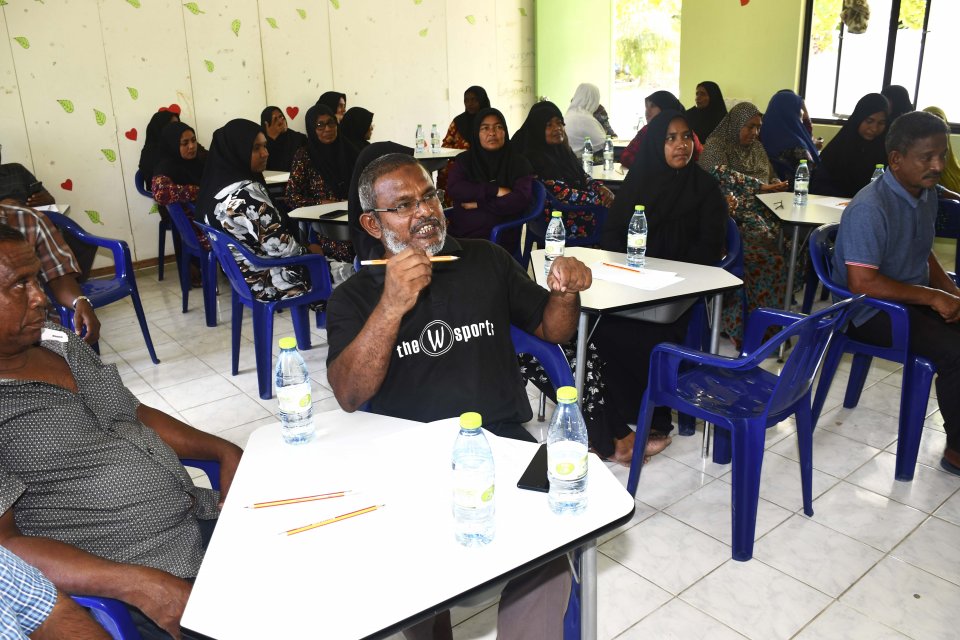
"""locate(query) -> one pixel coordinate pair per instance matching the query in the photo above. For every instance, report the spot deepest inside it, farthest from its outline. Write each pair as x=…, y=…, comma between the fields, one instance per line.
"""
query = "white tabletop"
x=322, y=211
x=818, y=210
x=617, y=175
x=276, y=177
x=442, y=152
x=366, y=574
x=622, y=142
x=56, y=208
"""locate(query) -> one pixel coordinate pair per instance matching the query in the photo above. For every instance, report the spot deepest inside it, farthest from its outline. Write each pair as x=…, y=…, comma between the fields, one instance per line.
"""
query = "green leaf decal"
x=66, y=104
x=335, y=3
x=134, y=3
x=109, y=154
x=417, y=1
x=523, y=12
x=23, y=42
x=100, y=116
x=193, y=8
x=134, y=94
x=272, y=22
x=471, y=20
x=423, y=33
x=235, y=27
x=209, y=65
x=3, y=3
x=154, y=209
x=303, y=14
x=94, y=216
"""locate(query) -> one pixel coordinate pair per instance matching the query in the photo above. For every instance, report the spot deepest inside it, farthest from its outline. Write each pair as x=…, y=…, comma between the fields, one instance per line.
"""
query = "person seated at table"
x=949, y=185
x=378, y=355
x=233, y=197
x=600, y=113
x=91, y=490
x=708, y=110
x=19, y=187
x=177, y=176
x=899, y=99
x=653, y=104
x=560, y=171
x=152, y=150
x=848, y=161
x=734, y=156
x=686, y=221
x=321, y=173
x=784, y=136
x=59, y=267
x=282, y=142
x=335, y=101
x=490, y=183
x=884, y=249
x=357, y=127
x=461, y=127
x=579, y=121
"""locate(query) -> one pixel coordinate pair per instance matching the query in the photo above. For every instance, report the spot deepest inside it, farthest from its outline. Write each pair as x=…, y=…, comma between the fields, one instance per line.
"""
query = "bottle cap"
x=803, y=162
x=556, y=214
x=639, y=207
x=567, y=394
x=880, y=166
x=470, y=420
x=288, y=343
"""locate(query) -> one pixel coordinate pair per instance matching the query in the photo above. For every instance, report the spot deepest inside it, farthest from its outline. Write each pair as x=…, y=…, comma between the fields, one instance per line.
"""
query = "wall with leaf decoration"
x=79, y=79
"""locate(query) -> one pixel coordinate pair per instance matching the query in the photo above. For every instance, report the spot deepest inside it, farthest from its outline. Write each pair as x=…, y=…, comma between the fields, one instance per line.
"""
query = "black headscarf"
x=172, y=164
x=332, y=100
x=686, y=213
x=704, y=121
x=550, y=161
x=283, y=146
x=503, y=166
x=848, y=159
x=366, y=245
x=228, y=161
x=334, y=162
x=900, y=102
x=151, y=153
x=464, y=121
x=354, y=126
x=666, y=101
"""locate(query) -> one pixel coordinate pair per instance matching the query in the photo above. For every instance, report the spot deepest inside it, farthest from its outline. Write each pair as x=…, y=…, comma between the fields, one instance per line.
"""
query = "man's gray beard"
x=393, y=244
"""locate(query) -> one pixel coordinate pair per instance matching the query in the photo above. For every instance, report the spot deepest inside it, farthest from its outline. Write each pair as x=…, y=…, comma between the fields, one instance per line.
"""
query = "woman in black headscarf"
x=357, y=127
x=151, y=153
x=708, y=111
x=654, y=104
x=178, y=174
x=335, y=101
x=849, y=160
x=321, y=173
x=490, y=183
x=233, y=197
x=560, y=171
x=900, y=102
x=282, y=142
x=459, y=132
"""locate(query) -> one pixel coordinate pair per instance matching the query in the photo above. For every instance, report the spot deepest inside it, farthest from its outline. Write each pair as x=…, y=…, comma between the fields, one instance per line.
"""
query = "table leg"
x=588, y=591
x=791, y=268
x=581, y=372
x=717, y=312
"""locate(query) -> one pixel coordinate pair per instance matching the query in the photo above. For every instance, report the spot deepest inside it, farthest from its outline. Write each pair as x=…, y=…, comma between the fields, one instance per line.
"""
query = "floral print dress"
x=306, y=188
x=580, y=223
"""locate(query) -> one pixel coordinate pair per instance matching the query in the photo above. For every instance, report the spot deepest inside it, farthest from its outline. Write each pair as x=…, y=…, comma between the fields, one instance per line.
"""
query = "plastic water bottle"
x=877, y=173
x=434, y=139
x=608, y=155
x=420, y=143
x=294, y=398
x=637, y=238
x=567, y=455
x=553, y=241
x=474, y=506
x=801, y=184
x=587, y=156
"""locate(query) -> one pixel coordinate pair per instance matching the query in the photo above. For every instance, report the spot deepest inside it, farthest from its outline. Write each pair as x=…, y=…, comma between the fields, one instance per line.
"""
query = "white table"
x=56, y=208
x=434, y=161
x=378, y=572
x=618, y=175
x=276, y=177
x=332, y=218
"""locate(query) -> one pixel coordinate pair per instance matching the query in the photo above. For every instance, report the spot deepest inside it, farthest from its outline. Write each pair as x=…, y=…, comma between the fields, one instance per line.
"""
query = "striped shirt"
x=56, y=259
x=26, y=597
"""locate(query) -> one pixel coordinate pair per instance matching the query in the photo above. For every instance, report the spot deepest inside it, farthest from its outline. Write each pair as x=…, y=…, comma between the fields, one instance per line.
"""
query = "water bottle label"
x=569, y=463
x=637, y=241
x=801, y=185
x=553, y=248
x=294, y=398
x=472, y=497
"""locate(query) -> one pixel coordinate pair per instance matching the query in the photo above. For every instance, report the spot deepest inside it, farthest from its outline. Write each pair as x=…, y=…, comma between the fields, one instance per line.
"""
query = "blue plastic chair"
x=112, y=614
x=537, y=228
x=917, y=371
x=191, y=248
x=223, y=245
x=100, y=291
x=550, y=356
x=742, y=400
x=144, y=189
x=532, y=214
x=948, y=225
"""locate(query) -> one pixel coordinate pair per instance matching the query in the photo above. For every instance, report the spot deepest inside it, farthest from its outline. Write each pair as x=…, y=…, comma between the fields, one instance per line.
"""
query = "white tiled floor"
x=879, y=558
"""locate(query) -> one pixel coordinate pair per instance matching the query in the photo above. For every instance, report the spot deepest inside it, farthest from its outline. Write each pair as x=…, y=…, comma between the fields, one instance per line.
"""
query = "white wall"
x=408, y=61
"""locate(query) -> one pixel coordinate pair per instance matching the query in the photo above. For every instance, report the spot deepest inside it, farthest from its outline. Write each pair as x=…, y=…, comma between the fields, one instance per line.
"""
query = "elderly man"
x=414, y=325
x=884, y=250
x=91, y=490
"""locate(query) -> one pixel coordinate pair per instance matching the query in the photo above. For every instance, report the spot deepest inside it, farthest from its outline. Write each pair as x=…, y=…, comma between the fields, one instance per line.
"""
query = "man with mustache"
x=426, y=341
x=884, y=250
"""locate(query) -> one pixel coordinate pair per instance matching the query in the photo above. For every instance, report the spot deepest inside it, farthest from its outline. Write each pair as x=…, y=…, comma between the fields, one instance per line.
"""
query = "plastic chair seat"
x=736, y=395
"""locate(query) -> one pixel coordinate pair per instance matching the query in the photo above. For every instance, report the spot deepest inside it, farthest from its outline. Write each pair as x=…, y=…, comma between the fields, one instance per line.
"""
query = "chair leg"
x=829, y=368
x=263, y=347
x=301, y=326
x=858, y=376
x=722, y=453
x=809, y=290
x=142, y=319
x=208, y=275
x=161, y=248
x=640, y=443
x=185, y=283
x=917, y=378
x=805, y=445
x=747, y=462
x=236, y=322
x=542, y=411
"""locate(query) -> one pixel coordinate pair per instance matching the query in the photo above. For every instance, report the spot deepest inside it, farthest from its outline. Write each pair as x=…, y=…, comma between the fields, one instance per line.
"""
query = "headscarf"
x=503, y=166
x=550, y=161
x=900, y=102
x=367, y=246
x=684, y=207
x=586, y=98
x=848, y=159
x=723, y=146
x=704, y=121
x=172, y=164
x=151, y=153
x=783, y=129
x=464, y=121
x=354, y=126
x=228, y=161
x=283, y=146
x=666, y=101
x=950, y=178
x=334, y=162
x=332, y=100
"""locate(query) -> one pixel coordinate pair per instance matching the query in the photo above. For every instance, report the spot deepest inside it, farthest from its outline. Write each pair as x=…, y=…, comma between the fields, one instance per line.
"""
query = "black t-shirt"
x=453, y=351
x=15, y=181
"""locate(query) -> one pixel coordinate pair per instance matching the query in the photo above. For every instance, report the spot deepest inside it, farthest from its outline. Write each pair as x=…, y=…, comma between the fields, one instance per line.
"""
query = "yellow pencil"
x=278, y=503
x=620, y=266
x=344, y=516
x=367, y=263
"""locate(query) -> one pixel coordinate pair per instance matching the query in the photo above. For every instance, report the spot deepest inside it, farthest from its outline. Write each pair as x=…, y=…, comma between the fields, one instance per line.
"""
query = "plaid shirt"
x=56, y=259
x=26, y=597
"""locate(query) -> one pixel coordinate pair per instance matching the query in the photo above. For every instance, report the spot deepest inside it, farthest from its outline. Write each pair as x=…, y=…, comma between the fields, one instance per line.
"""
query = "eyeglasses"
x=328, y=124
x=406, y=209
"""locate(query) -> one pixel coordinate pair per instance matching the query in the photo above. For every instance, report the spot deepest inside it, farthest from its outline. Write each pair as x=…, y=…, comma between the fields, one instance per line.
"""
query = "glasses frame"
x=429, y=202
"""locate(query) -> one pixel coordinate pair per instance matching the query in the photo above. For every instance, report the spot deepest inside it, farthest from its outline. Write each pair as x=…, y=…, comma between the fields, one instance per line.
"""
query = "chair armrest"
x=210, y=467
x=110, y=614
x=762, y=319
x=119, y=248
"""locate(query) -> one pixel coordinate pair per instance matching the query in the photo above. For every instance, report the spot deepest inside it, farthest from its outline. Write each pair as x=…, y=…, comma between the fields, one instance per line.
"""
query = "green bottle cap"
x=470, y=420
x=288, y=343
x=567, y=394
x=556, y=214
x=639, y=207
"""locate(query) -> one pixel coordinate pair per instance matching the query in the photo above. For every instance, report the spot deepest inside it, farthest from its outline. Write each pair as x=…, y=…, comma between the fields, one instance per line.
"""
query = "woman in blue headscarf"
x=784, y=136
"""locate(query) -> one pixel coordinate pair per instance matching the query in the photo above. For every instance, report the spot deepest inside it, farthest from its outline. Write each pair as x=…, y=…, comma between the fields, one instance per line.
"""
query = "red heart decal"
x=174, y=108
x=132, y=134
x=744, y=3
x=292, y=112
x=67, y=185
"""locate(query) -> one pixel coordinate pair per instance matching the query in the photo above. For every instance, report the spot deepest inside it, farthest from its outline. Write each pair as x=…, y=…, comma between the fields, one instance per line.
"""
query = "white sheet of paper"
x=646, y=279
x=835, y=203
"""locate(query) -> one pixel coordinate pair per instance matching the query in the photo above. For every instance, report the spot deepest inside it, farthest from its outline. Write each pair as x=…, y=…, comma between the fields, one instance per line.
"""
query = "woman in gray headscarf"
x=579, y=121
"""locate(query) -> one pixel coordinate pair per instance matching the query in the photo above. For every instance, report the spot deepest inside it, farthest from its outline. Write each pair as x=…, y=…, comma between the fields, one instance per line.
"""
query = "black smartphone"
x=535, y=476
x=35, y=187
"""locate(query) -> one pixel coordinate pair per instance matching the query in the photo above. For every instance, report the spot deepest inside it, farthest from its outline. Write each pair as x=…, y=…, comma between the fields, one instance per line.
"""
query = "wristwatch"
x=79, y=299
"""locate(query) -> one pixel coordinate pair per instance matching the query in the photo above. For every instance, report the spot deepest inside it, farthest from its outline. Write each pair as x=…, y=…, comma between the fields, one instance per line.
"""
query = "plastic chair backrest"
x=550, y=356
x=220, y=244
x=142, y=187
x=821, y=258
x=122, y=264
x=184, y=226
x=732, y=262
x=534, y=211
x=948, y=225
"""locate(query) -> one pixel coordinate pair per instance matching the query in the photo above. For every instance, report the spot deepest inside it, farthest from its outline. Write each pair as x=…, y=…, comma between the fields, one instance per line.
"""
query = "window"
x=907, y=42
